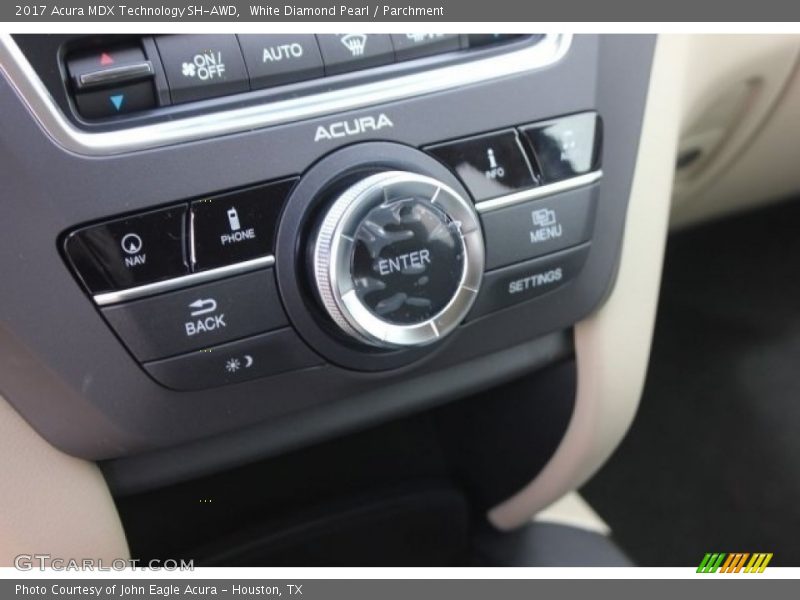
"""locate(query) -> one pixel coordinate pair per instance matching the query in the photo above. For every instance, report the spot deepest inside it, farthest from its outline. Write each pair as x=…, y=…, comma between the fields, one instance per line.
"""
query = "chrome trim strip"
x=112, y=75
x=538, y=192
x=16, y=68
x=177, y=283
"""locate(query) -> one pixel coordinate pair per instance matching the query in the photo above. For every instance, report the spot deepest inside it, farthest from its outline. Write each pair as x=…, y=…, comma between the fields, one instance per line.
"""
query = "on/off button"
x=202, y=66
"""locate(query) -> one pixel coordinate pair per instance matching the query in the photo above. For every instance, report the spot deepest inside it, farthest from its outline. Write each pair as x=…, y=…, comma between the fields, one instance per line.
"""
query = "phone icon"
x=233, y=219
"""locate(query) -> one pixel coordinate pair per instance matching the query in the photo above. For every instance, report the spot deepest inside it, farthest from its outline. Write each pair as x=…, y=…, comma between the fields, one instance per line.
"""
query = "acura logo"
x=341, y=129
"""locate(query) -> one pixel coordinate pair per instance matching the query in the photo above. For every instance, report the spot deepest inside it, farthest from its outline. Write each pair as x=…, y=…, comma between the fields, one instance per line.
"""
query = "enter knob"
x=398, y=259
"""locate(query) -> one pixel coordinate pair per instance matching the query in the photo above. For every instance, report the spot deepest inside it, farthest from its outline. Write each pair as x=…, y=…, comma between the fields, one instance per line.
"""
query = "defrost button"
x=344, y=52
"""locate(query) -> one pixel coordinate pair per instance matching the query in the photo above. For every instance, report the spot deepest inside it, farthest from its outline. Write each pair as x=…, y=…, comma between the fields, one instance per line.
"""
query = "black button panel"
x=538, y=227
x=156, y=71
x=251, y=358
x=131, y=251
x=528, y=231
x=567, y=146
x=528, y=280
x=237, y=226
x=147, y=248
x=342, y=52
x=489, y=165
x=232, y=327
x=202, y=66
x=199, y=317
x=112, y=81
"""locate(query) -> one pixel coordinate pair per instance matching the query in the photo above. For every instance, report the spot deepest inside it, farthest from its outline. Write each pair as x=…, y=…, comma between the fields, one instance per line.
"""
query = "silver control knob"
x=398, y=260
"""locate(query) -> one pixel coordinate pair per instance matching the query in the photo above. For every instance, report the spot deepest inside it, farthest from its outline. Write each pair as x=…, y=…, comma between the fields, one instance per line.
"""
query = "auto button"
x=279, y=59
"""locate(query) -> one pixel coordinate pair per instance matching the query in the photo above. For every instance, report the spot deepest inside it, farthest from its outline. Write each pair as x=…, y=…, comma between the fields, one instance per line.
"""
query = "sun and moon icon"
x=234, y=364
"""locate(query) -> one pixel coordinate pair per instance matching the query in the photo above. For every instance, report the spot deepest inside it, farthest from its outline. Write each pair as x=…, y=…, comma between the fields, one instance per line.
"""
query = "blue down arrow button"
x=117, y=101
x=120, y=100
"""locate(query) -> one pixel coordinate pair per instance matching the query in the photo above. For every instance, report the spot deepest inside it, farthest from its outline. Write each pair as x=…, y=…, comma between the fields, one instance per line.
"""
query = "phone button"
x=236, y=226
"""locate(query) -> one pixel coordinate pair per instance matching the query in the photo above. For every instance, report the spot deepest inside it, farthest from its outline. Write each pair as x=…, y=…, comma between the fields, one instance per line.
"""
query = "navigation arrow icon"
x=117, y=100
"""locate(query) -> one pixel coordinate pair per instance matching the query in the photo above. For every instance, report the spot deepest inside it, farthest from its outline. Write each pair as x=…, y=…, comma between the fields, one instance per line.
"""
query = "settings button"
x=528, y=280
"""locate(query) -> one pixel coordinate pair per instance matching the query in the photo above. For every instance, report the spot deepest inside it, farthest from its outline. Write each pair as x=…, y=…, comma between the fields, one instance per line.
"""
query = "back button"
x=199, y=317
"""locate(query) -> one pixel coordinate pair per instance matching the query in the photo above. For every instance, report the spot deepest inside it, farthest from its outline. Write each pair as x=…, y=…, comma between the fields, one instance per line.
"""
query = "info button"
x=236, y=226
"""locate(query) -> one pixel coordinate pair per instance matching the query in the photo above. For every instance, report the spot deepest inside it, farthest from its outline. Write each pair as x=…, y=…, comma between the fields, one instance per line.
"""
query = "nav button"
x=131, y=251
x=237, y=226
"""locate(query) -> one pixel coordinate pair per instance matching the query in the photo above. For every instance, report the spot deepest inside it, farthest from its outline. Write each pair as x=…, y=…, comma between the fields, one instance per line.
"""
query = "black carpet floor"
x=712, y=462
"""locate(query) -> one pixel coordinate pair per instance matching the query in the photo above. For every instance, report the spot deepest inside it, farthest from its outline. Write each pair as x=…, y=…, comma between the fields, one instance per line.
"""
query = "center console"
x=244, y=244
